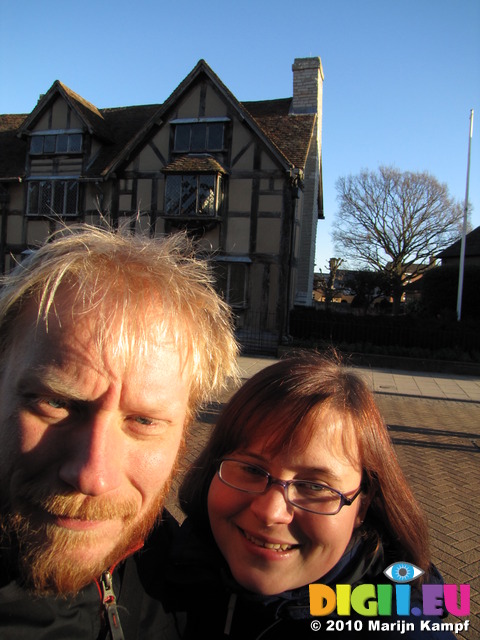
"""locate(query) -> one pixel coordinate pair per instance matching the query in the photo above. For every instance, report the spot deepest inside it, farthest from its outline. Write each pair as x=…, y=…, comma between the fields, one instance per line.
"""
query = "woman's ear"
x=360, y=516
x=365, y=499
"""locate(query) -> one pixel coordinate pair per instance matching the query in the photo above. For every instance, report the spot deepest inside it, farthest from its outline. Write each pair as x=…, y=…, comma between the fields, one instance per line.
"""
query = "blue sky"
x=401, y=76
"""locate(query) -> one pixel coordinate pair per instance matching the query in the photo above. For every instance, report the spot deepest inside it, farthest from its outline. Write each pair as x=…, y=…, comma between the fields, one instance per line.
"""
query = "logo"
x=403, y=572
x=376, y=600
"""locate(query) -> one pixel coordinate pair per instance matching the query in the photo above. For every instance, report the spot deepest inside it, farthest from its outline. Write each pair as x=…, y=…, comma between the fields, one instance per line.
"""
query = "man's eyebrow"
x=45, y=380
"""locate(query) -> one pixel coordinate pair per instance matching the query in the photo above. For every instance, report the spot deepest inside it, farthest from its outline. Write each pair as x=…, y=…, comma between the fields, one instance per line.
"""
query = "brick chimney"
x=307, y=100
x=307, y=86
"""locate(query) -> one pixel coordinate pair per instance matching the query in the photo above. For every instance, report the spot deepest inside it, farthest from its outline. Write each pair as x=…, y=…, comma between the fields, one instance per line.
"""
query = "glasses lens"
x=243, y=476
x=314, y=497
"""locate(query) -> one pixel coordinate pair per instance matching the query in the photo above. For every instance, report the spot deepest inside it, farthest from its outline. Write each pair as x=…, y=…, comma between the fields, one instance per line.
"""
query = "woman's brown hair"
x=286, y=404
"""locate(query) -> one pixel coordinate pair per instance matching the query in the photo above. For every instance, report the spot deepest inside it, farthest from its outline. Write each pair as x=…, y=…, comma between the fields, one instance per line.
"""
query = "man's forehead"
x=67, y=318
x=69, y=338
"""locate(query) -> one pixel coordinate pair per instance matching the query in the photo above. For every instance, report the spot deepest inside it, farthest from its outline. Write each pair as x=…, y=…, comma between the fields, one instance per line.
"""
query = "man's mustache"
x=76, y=505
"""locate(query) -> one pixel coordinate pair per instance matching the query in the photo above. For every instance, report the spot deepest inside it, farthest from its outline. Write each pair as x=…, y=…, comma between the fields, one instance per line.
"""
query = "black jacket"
x=24, y=616
x=200, y=583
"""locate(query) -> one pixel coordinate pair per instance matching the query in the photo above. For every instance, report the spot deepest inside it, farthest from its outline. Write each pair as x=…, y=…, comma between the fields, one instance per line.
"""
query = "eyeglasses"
x=306, y=495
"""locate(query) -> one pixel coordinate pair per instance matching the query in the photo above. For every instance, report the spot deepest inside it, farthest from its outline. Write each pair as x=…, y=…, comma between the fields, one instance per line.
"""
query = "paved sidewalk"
x=434, y=422
x=405, y=383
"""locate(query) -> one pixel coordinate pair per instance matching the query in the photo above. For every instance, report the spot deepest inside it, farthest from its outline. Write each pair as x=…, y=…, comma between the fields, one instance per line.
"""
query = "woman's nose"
x=272, y=506
x=93, y=462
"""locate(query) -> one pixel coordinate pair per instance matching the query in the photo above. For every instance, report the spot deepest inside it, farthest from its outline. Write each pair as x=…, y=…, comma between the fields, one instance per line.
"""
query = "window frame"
x=228, y=265
x=195, y=124
x=48, y=196
x=57, y=137
x=185, y=179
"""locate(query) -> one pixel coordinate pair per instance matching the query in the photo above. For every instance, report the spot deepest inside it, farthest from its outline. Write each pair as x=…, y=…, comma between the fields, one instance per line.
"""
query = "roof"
x=12, y=150
x=88, y=112
x=123, y=129
x=195, y=162
x=124, y=124
x=472, y=246
x=290, y=133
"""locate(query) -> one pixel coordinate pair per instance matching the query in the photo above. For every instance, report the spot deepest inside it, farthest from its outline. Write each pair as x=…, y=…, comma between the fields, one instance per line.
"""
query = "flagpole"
x=464, y=231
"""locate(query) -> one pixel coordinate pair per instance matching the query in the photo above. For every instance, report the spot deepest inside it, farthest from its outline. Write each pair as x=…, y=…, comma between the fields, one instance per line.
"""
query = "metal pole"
x=465, y=212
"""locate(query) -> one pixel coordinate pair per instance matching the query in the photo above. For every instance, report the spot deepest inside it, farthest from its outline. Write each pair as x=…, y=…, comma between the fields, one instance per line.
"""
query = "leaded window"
x=191, y=195
x=47, y=144
x=199, y=136
x=52, y=197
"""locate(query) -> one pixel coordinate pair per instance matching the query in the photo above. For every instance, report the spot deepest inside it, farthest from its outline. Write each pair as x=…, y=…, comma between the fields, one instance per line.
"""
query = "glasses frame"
x=271, y=480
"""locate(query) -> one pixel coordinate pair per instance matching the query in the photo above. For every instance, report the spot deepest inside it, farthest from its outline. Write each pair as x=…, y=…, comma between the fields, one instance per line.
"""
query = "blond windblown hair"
x=123, y=280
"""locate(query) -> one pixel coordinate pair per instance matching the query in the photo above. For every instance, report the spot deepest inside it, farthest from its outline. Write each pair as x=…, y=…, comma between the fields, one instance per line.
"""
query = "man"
x=109, y=344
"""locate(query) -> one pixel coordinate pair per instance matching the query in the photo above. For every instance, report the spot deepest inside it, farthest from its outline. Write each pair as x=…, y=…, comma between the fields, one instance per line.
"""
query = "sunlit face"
x=87, y=446
x=272, y=546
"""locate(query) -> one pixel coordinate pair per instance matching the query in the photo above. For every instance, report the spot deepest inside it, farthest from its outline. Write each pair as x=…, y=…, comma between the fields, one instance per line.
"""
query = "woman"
x=299, y=484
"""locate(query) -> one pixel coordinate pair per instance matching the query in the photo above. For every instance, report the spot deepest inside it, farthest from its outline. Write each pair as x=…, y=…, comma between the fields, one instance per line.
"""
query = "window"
x=199, y=136
x=232, y=282
x=193, y=195
x=52, y=197
x=56, y=143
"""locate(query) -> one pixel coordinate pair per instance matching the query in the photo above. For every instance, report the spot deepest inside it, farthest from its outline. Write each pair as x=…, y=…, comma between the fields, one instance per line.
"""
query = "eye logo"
x=403, y=572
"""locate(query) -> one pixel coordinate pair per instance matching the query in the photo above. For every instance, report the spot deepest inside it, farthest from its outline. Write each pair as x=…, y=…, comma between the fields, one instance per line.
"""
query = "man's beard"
x=42, y=548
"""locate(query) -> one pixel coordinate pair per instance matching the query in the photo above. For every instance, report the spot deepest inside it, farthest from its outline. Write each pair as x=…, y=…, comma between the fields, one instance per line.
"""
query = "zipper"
x=230, y=611
x=109, y=602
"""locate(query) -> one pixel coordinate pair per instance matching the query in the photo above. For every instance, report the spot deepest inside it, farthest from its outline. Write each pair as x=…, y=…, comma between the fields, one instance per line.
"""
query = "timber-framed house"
x=244, y=178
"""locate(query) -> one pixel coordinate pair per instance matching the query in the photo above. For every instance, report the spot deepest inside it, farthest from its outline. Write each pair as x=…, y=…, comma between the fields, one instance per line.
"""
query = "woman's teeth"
x=268, y=545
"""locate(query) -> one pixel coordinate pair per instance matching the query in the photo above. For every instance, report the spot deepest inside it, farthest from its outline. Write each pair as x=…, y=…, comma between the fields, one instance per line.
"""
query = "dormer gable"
x=166, y=113
x=63, y=109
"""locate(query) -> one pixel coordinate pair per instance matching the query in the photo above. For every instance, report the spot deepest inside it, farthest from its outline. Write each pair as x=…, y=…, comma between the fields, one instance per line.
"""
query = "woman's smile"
x=271, y=545
x=260, y=541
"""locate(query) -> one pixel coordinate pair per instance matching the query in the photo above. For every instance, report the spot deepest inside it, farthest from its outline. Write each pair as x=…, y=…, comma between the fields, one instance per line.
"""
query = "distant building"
x=340, y=291
x=451, y=255
x=244, y=178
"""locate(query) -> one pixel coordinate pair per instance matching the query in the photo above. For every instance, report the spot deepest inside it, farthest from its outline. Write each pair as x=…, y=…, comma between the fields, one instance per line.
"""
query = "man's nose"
x=93, y=459
x=272, y=507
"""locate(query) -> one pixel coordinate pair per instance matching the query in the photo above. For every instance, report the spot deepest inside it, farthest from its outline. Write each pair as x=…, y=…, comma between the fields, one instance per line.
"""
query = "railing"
x=257, y=333
x=383, y=331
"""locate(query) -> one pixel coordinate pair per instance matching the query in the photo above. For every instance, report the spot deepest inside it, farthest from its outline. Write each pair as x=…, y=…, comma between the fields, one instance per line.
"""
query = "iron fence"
x=384, y=331
x=257, y=333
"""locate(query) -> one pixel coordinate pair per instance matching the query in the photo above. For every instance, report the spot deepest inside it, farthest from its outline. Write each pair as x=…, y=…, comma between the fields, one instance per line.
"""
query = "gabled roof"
x=268, y=132
x=124, y=130
x=86, y=111
x=472, y=246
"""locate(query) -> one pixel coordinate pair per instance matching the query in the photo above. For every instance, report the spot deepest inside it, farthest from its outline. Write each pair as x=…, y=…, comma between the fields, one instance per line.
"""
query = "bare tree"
x=391, y=220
